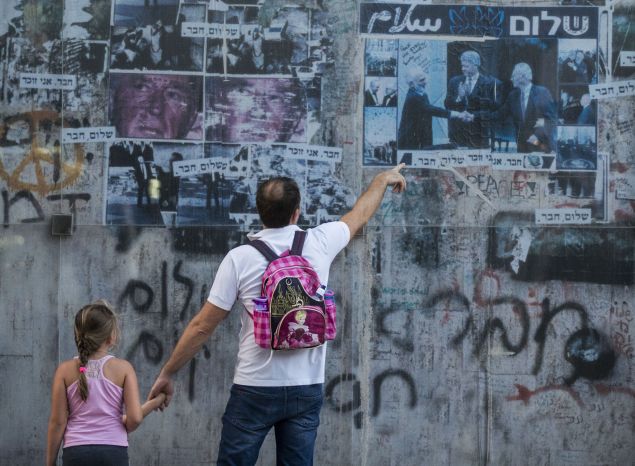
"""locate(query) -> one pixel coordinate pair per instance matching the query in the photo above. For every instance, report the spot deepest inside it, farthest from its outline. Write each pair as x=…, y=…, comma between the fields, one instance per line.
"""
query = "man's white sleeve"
x=334, y=236
x=225, y=287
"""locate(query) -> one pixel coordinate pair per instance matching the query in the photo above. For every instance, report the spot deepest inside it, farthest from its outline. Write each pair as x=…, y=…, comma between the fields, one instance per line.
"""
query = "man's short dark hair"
x=276, y=200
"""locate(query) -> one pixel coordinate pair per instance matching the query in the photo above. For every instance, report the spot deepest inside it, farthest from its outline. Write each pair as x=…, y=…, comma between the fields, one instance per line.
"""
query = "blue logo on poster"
x=486, y=22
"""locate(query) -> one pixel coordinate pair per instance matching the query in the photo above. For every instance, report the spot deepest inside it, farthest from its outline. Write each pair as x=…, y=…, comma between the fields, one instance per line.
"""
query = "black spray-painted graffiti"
x=141, y=297
x=27, y=196
x=587, y=350
x=20, y=195
x=344, y=406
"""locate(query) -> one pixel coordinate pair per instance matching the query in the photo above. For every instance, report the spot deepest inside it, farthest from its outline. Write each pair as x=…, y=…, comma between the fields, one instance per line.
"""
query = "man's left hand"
x=163, y=384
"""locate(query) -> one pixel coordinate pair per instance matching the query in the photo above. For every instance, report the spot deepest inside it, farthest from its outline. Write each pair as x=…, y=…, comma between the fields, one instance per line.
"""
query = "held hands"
x=148, y=406
x=395, y=179
x=163, y=386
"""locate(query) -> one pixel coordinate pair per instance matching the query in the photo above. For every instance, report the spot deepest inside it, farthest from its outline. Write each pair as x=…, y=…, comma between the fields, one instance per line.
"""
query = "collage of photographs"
x=174, y=97
x=507, y=95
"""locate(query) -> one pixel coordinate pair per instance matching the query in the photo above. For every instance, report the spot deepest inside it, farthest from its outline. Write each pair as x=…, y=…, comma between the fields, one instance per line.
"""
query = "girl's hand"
x=156, y=402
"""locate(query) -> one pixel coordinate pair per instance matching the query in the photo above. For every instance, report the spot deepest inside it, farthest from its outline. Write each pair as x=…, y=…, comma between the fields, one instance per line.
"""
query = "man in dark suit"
x=390, y=98
x=371, y=96
x=587, y=115
x=533, y=112
x=415, y=126
x=475, y=93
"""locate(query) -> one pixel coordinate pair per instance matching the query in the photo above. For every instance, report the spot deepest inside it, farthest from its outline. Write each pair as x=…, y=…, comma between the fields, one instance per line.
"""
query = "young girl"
x=89, y=393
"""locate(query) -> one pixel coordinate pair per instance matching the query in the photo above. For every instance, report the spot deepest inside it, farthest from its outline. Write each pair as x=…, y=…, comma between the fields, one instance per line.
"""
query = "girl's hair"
x=94, y=324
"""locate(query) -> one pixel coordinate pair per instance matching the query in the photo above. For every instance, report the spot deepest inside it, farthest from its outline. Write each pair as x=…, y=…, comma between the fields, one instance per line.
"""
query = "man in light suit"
x=475, y=93
x=533, y=112
x=371, y=96
x=415, y=126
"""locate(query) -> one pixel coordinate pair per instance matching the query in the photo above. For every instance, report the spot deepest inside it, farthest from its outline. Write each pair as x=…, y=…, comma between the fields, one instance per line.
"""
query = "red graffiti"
x=524, y=394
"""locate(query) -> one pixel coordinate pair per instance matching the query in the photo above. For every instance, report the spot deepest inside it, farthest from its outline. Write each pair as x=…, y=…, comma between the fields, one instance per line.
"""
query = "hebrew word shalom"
x=213, y=30
x=611, y=90
x=446, y=159
x=65, y=82
x=627, y=58
x=314, y=153
x=201, y=166
x=563, y=216
x=94, y=134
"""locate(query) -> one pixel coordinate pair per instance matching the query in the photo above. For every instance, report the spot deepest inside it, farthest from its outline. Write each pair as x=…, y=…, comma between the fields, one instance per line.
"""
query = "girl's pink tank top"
x=96, y=421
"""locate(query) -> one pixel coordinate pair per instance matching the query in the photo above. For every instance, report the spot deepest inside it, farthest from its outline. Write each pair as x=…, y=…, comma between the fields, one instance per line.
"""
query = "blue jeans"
x=294, y=413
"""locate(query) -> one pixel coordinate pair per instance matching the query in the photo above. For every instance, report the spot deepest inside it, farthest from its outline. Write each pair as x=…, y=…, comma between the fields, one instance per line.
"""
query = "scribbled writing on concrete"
x=627, y=58
x=614, y=89
x=66, y=82
x=560, y=216
x=94, y=134
x=201, y=166
x=624, y=188
x=316, y=153
x=213, y=30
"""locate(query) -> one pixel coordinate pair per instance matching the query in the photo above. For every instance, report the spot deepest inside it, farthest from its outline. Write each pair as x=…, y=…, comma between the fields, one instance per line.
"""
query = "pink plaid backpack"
x=294, y=311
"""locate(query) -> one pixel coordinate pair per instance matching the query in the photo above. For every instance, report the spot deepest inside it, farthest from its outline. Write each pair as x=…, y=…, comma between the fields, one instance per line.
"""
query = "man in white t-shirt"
x=279, y=389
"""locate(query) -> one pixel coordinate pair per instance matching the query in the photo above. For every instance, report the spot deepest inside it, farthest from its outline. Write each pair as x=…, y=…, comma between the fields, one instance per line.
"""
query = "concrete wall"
x=468, y=334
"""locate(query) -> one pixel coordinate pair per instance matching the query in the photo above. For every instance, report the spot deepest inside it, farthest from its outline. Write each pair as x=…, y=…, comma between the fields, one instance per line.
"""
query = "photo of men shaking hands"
x=508, y=95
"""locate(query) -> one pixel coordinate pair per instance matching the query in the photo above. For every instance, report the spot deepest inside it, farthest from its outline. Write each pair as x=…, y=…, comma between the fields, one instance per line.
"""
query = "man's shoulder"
x=334, y=228
x=329, y=234
x=540, y=89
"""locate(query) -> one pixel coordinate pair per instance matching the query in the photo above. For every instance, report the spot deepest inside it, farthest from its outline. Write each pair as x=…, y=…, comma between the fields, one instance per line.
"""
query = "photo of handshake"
x=464, y=116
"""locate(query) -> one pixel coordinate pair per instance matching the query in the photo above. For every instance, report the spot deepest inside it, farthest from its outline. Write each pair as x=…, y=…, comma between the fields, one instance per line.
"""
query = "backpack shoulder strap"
x=264, y=250
x=298, y=243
